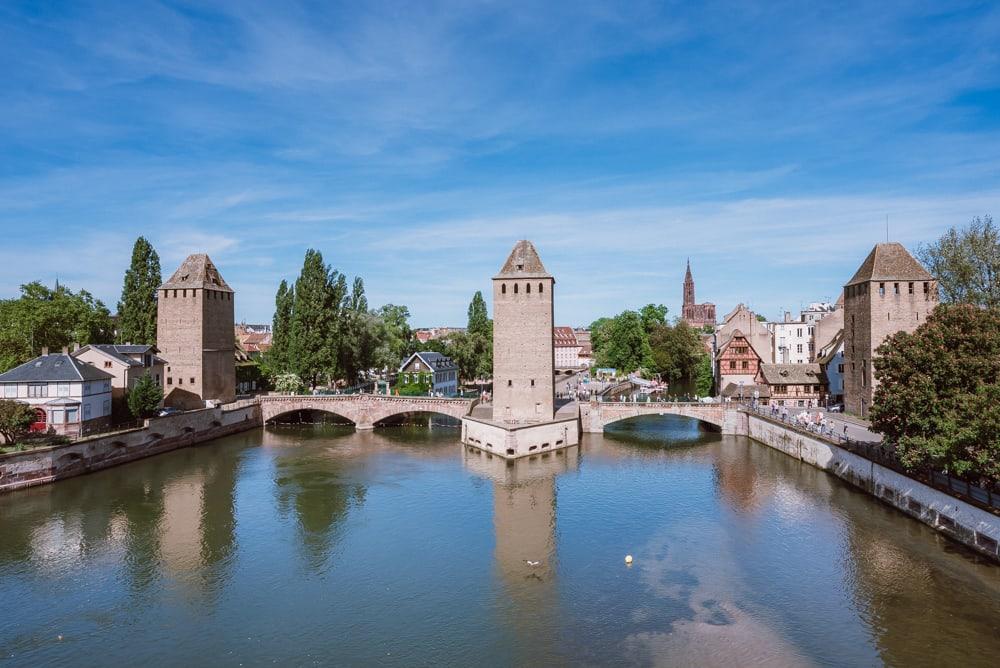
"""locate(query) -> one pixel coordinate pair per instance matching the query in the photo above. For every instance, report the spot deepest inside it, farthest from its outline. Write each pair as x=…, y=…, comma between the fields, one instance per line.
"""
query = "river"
x=319, y=545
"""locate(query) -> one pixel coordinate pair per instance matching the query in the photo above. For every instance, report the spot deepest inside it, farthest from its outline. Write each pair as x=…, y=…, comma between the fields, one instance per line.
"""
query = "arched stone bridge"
x=364, y=410
x=595, y=416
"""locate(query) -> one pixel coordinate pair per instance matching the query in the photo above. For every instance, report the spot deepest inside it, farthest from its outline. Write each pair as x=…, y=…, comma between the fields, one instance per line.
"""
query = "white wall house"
x=127, y=364
x=69, y=396
x=444, y=370
x=566, y=348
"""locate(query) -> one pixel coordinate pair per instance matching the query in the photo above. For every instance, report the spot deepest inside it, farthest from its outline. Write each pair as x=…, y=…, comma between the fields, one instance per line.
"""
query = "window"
x=86, y=411
x=527, y=288
x=180, y=381
x=170, y=380
x=72, y=415
x=732, y=364
x=746, y=364
x=910, y=286
x=107, y=407
x=175, y=293
x=541, y=288
x=895, y=288
x=107, y=365
x=503, y=288
x=798, y=348
x=881, y=289
x=10, y=390
x=515, y=288
x=864, y=373
x=192, y=381
x=815, y=388
x=38, y=389
x=510, y=383
x=532, y=382
x=62, y=389
x=58, y=417
x=840, y=368
x=798, y=333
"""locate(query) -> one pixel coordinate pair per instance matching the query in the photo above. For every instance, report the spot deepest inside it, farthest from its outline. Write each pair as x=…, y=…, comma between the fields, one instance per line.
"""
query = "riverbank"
x=44, y=465
x=960, y=521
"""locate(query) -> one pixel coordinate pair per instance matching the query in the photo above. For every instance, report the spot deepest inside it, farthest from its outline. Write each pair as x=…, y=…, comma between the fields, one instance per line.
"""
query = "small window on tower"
x=541, y=288
x=503, y=288
x=510, y=383
x=192, y=381
x=527, y=288
x=515, y=288
x=532, y=382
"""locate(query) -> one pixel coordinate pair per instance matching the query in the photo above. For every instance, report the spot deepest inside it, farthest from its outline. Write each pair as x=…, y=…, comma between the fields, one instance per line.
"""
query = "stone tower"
x=890, y=292
x=194, y=325
x=688, y=289
x=523, y=353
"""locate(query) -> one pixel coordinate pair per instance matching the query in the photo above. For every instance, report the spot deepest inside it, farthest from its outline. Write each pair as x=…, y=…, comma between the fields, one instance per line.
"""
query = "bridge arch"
x=276, y=417
x=597, y=415
x=364, y=410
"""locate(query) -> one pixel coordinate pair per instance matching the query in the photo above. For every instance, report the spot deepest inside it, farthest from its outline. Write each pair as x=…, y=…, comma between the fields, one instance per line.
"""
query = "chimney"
x=45, y=351
x=788, y=316
x=65, y=350
x=76, y=347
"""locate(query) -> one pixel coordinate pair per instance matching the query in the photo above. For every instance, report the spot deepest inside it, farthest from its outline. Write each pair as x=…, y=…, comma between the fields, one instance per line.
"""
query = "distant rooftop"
x=53, y=368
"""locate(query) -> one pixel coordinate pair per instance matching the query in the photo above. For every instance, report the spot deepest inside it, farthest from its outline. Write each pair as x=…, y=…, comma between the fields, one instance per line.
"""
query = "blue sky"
x=414, y=143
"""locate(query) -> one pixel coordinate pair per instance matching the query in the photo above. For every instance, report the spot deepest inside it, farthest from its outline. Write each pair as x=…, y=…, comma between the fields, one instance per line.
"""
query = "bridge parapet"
x=364, y=410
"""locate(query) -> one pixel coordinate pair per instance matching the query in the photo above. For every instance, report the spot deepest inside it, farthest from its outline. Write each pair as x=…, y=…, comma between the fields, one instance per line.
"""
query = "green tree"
x=314, y=322
x=137, y=308
x=53, y=318
x=15, y=419
x=144, y=397
x=624, y=344
x=966, y=263
x=288, y=383
x=396, y=339
x=479, y=319
x=653, y=315
x=676, y=351
x=704, y=376
x=938, y=397
x=277, y=359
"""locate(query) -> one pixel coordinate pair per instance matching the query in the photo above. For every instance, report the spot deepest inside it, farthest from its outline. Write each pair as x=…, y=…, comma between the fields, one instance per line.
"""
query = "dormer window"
x=520, y=267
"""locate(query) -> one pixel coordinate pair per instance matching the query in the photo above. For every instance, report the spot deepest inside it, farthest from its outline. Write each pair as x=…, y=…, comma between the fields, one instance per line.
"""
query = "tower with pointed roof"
x=696, y=315
x=195, y=335
x=890, y=292
x=523, y=352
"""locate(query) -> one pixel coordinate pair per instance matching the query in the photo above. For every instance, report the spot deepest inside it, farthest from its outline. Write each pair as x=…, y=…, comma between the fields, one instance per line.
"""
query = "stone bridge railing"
x=596, y=415
x=364, y=410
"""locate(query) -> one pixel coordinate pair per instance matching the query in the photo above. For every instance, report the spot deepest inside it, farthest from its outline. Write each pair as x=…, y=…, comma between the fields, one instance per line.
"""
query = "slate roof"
x=122, y=352
x=890, y=262
x=53, y=368
x=792, y=374
x=733, y=390
x=431, y=359
x=197, y=271
x=523, y=262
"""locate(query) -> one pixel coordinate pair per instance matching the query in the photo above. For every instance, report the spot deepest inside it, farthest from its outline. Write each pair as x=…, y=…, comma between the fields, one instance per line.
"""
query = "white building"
x=566, y=348
x=794, y=341
x=69, y=396
x=127, y=363
x=443, y=369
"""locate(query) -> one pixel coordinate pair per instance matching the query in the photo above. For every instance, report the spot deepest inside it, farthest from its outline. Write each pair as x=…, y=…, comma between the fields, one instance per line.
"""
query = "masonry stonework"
x=195, y=335
x=523, y=353
x=890, y=292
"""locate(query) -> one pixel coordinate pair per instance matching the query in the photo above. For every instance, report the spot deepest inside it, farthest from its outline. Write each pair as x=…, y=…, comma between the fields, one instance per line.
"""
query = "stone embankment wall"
x=955, y=518
x=44, y=465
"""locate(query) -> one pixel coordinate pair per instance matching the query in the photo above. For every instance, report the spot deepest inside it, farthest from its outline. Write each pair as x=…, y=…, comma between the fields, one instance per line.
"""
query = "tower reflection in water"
x=524, y=522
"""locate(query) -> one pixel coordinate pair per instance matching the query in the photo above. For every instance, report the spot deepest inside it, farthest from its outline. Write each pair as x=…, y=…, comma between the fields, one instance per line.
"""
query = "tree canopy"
x=938, y=398
x=53, y=318
x=137, y=307
x=144, y=397
x=966, y=263
x=15, y=419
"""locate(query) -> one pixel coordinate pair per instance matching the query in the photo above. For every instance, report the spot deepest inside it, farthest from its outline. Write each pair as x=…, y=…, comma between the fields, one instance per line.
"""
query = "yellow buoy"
x=628, y=558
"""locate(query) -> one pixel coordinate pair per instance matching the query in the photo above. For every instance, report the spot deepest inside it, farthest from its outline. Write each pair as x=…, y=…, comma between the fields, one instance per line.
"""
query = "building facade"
x=127, y=364
x=792, y=341
x=737, y=362
x=567, y=348
x=831, y=359
x=696, y=315
x=890, y=292
x=195, y=335
x=69, y=396
x=443, y=371
x=523, y=350
x=794, y=385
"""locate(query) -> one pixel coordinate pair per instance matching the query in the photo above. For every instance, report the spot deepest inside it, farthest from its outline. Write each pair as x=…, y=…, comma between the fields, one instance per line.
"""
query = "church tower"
x=688, y=289
x=194, y=327
x=523, y=352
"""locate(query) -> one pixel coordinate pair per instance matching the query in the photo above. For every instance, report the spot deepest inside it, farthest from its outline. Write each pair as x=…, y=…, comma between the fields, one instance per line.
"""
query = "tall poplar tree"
x=313, y=320
x=479, y=319
x=277, y=360
x=137, y=308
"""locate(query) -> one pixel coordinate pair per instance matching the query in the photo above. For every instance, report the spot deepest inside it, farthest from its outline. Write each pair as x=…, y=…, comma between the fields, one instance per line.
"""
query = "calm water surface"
x=320, y=546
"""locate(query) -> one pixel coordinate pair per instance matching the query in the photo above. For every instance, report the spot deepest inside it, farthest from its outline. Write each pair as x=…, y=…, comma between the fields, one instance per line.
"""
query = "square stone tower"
x=890, y=292
x=195, y=334
x=523, y=351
